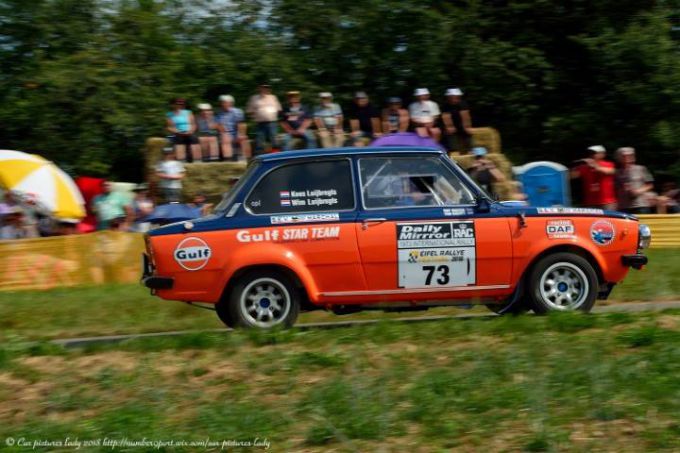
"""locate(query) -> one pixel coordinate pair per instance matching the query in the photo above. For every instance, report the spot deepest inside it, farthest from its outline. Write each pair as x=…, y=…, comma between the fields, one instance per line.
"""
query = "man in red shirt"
x=597, y=179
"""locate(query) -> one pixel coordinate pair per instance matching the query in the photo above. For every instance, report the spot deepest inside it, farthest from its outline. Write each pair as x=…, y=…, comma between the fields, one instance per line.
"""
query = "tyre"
x=222, y=310
x=562, y=282
x=263, y=299
x=504, y=308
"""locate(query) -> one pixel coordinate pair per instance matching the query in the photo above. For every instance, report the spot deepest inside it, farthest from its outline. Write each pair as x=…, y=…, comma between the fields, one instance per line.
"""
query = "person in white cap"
x=264, y=108
x=597, y=179
x=206, y=128
x=328, y=119
x=634, y=184
x=457, y=121
x=424, y=114
x=231, y=124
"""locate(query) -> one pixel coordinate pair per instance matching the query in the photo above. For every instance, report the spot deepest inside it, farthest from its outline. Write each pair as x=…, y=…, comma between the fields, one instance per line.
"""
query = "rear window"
x=316, y=186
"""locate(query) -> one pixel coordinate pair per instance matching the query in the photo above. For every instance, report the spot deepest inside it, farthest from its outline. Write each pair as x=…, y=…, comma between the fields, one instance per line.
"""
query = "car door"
x=418, y=230
x=305, y=210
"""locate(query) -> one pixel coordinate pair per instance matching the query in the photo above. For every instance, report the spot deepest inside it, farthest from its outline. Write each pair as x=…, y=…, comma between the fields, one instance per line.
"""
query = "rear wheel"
x=263, y=299
x=562, y=282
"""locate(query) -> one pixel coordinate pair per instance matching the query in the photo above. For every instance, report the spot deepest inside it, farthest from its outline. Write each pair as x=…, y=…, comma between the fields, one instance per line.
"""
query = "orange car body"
x=392, y=255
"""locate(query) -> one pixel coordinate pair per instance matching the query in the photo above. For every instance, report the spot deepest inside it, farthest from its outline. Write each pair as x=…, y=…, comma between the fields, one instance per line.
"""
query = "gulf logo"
x=192, y=253
x=602, y=232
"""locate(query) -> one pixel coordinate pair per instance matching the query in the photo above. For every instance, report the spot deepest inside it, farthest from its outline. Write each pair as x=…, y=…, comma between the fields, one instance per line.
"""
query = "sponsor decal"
x=436, y=254
x=444, y=234
x=454, y=212
x=560, y=229
x=289, y=234
x=192, y=253
x=560, y=210
x=602, y=232
x=303, y=218
x=311, y=197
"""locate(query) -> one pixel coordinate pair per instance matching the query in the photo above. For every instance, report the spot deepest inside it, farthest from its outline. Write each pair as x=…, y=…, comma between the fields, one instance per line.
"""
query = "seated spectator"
x=457, y=122
x=394, y=118
x=424, y=115
x=182, y=125
x=328, y=120
x=207, y=132
x=484, y=171
x=170, y=172
x=296, y=121
x=669, y=200
x=231, y=124
x=112, y=208
x=142, y=206
x=597, y=179
x=264, y=109
x=634, y=184
x=364, y=120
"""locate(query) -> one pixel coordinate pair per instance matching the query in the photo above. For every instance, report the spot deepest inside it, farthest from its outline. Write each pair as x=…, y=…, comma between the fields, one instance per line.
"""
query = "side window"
x=304, y=187
x=388, y=182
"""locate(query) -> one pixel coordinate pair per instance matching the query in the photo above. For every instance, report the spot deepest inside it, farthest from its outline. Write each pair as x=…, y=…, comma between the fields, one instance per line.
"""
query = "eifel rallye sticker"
x=436, y=254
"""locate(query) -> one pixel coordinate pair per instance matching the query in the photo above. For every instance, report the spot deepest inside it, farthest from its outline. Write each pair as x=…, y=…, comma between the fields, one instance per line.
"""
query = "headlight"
x=644, y=236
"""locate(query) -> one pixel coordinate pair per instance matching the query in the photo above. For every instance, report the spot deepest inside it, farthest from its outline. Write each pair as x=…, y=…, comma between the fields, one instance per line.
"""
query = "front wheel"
x=562, y=282
x=264, y=299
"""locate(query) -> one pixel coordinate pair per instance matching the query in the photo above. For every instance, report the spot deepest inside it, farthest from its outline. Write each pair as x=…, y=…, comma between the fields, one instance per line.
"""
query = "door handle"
x=365, y=222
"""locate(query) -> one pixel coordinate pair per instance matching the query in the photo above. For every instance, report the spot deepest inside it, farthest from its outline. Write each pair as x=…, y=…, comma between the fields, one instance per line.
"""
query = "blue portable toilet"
x=545, y=183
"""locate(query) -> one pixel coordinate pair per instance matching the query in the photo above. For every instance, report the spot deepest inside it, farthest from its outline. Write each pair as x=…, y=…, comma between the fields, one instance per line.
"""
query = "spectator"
x=199, y=203
x=295, y=121
x=597, y=179
x=457, y=121
x=207, y=132
x=112, y=208
x=669, y=200
x=13, y=224
x=182, y=125
x=231, y=124
x=170, y=172
x=142, y=206
x=424, y=115
x=484, y=171
x=364, y=120
x=634, y=184
x=395, y=118
x=328, y=120
x=264, y=108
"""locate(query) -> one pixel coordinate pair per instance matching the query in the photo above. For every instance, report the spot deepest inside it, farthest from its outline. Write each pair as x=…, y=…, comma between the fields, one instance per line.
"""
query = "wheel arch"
x=305, y=303
x=566, y=248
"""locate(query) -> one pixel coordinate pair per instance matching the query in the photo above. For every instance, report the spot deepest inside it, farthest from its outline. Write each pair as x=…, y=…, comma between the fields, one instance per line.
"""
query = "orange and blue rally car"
x=392, y=228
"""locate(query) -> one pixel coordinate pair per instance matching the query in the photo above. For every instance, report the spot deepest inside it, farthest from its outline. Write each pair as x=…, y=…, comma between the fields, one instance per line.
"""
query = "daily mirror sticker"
x=192, y=253
x=560, y=229
x=602, y=232
x=435, y=254
x=302, y=218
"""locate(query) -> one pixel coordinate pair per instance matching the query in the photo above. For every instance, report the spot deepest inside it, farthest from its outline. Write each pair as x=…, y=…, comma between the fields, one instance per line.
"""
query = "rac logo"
x=192, y=253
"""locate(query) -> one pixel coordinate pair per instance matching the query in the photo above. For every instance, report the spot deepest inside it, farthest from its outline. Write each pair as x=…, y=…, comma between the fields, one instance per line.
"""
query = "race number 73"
x=439, y=273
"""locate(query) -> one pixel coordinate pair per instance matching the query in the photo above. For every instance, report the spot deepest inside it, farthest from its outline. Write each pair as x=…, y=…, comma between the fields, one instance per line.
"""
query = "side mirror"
x=483, y=205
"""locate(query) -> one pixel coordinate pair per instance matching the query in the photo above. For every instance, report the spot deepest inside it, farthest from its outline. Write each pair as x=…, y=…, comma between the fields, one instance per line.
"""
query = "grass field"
x=559, y=383
x=130, y=309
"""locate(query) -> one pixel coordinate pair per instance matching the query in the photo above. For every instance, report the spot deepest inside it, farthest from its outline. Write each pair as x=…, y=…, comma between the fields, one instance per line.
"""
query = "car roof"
x=323, y=152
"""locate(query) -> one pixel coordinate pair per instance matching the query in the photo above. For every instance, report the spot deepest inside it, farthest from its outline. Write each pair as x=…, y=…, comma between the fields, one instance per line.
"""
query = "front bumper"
x=635, y=261
x=153, y=281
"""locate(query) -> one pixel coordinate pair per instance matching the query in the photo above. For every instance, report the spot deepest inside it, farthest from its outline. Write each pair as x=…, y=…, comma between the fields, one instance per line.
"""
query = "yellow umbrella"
x=36, y=177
